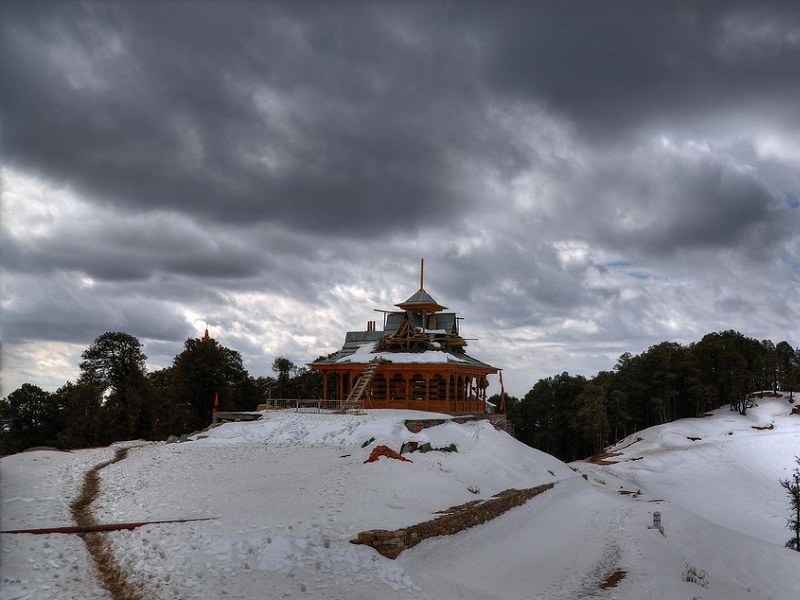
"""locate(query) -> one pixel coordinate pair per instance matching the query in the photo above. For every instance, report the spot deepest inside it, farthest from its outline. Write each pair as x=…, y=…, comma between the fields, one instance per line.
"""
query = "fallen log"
x=101, y=527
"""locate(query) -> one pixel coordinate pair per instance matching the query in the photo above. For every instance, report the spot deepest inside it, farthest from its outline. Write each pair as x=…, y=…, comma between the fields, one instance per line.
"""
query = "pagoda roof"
x=421, y=301
x=420, y=333
x=360, y=350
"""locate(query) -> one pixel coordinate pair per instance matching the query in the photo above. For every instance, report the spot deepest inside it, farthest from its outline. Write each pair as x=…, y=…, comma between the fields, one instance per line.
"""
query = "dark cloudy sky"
x=582, y=178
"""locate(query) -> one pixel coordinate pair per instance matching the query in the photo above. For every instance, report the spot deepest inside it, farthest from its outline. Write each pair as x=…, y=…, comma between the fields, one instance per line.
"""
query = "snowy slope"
x=723, y=467
x=286, y=494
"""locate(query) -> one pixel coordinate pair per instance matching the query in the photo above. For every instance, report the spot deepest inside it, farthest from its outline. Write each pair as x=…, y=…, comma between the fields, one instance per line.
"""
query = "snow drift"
x=287, y=493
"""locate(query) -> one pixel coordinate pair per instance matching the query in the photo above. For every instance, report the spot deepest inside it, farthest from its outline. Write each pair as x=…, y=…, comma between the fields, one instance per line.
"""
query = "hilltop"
x=285, y=495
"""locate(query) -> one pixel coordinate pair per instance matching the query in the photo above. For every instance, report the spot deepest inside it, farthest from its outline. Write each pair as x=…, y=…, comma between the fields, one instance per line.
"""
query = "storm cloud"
x=583, y=178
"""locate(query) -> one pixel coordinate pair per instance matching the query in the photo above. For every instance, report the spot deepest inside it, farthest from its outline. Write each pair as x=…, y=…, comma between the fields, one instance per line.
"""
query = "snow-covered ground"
x=286, y=494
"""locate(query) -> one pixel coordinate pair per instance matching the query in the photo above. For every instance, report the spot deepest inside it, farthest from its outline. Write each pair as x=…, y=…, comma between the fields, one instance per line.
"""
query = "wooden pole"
x=100, y=527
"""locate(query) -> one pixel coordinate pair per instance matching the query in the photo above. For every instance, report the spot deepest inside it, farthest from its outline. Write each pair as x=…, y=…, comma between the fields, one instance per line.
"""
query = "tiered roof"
x=421, y=301
x=418, y=333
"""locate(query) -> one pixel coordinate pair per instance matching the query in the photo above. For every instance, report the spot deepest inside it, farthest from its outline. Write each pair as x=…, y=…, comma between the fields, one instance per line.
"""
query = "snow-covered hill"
x=286, y=494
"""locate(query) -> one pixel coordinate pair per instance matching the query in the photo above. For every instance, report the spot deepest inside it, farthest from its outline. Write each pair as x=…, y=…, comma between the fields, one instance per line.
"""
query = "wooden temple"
x=417, y=361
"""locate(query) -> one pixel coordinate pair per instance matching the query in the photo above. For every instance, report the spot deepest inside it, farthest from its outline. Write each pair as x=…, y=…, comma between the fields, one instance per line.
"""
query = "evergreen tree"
x=570, y=417
x=81, y=405
x=30, y=417
x=770, y=372
x=115, y=360
x=628, y=381
x=505, y=404
x=205, y=370
x=170, y=415
x=788, y=368
x=264, y=388
x=590, y=421
x=546, y=416
x=283, y=367
x=304, y=384
x=114, y=364
x=792, y=486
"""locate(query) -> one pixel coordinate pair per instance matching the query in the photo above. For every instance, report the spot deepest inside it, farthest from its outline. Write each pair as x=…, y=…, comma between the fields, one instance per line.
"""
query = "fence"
x=301, y=405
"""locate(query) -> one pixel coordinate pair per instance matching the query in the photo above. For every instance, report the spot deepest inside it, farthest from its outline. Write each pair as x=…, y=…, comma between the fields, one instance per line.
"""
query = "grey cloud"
x=129, y=249
x=733, y=305
x=615, y=67
x=62, y=308
x=364, y=119
x=160, y=110
x=513, y=283
x=232, y=159
x=659, y=202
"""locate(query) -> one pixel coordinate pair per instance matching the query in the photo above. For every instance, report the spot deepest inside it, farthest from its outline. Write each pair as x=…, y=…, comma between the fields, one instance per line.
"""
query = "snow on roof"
x=366, y=352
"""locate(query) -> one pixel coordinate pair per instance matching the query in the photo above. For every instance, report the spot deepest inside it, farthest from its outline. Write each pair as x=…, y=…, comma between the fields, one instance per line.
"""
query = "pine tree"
x=204, y=370
x=792, y=485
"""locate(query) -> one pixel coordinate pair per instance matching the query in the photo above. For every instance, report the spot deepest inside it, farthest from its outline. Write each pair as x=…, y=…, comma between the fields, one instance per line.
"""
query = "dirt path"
x=111, y=576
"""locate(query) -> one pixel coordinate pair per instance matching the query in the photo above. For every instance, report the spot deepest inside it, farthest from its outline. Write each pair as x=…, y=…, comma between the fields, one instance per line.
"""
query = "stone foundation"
x=457, y=518
x=498, y=421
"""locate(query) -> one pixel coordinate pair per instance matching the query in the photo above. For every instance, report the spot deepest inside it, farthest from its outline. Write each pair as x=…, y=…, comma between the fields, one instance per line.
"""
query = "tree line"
x=569, y=416
x=572, y=417
x=116, y=398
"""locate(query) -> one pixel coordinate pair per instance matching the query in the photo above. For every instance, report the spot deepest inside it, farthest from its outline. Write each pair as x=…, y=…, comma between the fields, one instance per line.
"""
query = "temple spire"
x=421, y=301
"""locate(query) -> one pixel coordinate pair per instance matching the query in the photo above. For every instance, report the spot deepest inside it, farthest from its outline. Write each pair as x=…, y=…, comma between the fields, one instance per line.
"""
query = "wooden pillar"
x=339, y=382
x=408, y=389
x=427, y=392
x=325, y=386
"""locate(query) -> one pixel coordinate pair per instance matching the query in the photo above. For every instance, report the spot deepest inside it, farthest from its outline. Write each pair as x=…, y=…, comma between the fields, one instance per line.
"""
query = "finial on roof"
x=205, y=335
x=421, y=301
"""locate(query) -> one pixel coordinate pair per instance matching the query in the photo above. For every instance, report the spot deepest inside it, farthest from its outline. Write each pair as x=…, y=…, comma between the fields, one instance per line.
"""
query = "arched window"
x=437, y=388
x=378, y=387
x=418, y=387
x=397, y=388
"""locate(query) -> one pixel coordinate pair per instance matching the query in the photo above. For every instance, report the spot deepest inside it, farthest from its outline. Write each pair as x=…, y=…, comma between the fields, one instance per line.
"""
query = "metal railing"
x=302, y=405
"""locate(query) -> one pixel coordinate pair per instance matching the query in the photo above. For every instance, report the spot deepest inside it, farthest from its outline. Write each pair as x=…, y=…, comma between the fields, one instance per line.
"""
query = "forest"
x=569, y=416
x=115, y=397
x=572, y=417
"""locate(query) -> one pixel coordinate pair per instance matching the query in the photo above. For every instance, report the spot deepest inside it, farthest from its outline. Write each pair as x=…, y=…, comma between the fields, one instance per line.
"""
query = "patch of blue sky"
x=640, y=275
x=617, y=264
x=792, y=201
x=625, y=265
x=792, y=263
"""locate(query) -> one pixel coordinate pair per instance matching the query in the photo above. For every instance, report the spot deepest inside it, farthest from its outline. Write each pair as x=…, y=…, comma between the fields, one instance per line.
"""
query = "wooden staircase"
x=354, y=398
